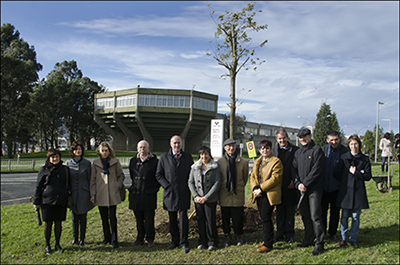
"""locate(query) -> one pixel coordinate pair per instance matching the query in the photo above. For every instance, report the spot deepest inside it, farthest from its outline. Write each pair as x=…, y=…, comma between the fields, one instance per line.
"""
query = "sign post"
x=251, y=149
x=217, y=137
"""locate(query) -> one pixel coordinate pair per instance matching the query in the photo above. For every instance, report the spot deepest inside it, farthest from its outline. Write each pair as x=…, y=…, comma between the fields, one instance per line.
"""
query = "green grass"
x=22, y=240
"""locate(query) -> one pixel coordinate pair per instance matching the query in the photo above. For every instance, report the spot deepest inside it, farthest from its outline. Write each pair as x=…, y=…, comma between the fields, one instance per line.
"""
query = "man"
x=309, y=163
x=173, y=174
x=285, y=212
x=234, y=176
x=333, y=150
x=143, y=192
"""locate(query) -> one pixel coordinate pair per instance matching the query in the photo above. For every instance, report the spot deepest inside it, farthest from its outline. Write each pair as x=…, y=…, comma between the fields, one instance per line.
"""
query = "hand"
x=257, y=192
x=201, y=200
x=36, y=207
x=92, y=199
x=291, y=185
x=302, y=188
x=352, y=169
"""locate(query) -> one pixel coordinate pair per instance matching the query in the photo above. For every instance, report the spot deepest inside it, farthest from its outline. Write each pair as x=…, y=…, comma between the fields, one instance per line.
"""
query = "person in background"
x=234, y=175
x=105, y=184
x=51, y=196
x=285, y=212
x=397, y=146
x=79, y=173
x=173, y=171
x=309, y=163
x=333, y=150
x=386, y=146
x=143, y=192
x=204, y=183
x=266, y=184
x=355, y=168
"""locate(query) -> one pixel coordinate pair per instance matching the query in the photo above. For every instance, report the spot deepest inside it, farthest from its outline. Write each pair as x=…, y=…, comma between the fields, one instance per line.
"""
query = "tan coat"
x=271, y=178
x=107, y=187
x=242, y=169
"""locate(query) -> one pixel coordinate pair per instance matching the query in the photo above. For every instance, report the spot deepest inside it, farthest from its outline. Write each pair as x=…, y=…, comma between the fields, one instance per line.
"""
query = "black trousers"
x=311, y=212
x=285, y=221
x=109, y=219
x=145, y=225
x=179, y=238
x=79, y=220
x=266, y=210
x=206, y=221
x=237, y=215
x=329, y=201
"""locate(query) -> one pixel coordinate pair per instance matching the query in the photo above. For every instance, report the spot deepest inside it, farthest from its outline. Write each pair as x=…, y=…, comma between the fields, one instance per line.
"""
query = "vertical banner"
x=251, y=149
x=217, y=137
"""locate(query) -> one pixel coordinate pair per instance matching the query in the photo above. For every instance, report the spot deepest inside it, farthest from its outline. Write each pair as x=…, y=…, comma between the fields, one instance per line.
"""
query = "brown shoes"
x=263, y=249
x=260, y=245
x=150, y=244
x=137, y=242
x=342, y=243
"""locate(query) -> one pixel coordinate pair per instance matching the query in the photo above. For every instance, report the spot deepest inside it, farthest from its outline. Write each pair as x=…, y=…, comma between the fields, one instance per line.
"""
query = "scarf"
x=50, y=167
x=80, y=159
x=106, y=166
x=231, y=175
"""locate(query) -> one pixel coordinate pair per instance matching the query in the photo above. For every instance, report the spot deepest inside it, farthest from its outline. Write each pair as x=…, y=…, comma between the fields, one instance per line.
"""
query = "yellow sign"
x=251, y=149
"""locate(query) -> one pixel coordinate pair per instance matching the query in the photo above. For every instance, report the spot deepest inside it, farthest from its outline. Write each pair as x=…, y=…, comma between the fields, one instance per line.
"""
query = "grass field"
x=22, y=240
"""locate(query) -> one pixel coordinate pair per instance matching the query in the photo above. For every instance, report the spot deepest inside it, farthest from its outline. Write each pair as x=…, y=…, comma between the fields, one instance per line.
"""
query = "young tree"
x=18, y=74
x=368, y=143
x=326, y=122
x=235, y=51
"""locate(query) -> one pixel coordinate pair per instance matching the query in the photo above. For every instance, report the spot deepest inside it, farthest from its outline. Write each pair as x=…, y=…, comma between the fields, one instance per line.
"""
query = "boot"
x=239, y=241
x=83, y=231
x=75, y=228
x=228, y=240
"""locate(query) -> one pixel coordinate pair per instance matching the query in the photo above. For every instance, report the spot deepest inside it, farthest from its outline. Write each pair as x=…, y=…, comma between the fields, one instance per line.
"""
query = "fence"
x=8, y=165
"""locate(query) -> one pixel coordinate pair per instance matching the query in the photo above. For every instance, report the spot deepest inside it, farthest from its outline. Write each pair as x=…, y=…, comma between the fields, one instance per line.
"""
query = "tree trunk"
x=232, y=118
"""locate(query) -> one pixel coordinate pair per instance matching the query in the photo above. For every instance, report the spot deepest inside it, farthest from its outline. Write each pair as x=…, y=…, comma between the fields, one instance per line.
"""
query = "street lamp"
x=358, y=132
x=312, y=124
x=377, y=129
x=390, y=124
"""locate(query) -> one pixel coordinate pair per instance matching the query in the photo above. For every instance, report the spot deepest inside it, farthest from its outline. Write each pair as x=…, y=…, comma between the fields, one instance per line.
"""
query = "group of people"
x=309, y=179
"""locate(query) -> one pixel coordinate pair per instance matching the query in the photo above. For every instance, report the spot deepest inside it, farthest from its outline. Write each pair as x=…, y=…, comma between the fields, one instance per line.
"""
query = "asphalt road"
x=19, y=187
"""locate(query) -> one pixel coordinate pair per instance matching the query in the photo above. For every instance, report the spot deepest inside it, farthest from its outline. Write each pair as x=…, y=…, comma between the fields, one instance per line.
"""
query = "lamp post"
x=312, y=124
x=358, y=132
x=377, y=130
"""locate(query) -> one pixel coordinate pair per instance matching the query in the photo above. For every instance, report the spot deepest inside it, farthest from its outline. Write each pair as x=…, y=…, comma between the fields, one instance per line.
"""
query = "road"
x=19, y=187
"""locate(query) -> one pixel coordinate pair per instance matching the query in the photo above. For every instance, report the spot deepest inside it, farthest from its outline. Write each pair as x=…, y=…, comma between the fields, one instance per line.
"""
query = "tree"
x=325, y=123
x=18, y=74
x=235, y=52
x=368, y=143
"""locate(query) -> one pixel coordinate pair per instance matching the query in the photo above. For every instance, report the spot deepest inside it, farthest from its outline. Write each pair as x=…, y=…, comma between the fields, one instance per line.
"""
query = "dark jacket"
x=56, y=191
x=173, y=177
x=79, y=174
x=143, y=192
x=309, y=163
x=352, y=192
x=289, y=196
x=331, y=179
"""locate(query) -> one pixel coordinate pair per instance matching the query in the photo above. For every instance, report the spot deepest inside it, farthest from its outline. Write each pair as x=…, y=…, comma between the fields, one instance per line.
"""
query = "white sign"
x=217, y=137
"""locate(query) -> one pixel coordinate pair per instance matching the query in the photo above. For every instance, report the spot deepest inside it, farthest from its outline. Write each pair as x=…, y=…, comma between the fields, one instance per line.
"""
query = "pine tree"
x=325, y=123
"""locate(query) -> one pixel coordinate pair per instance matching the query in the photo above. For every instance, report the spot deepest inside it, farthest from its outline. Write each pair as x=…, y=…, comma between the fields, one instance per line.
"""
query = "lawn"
x=22, y=240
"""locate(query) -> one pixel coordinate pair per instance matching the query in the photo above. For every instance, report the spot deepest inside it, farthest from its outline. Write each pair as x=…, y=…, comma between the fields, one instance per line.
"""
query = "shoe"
x=332, y=238
x=228, y=241
x=317, y=251
x=304, y=245
x=114, y=244
x=211, y=248
x=151, y=244
x=201, y=246
x=239, y=241
x=276, y=239
x=81, y=243
x=342, y=243
x=74, y=242
x=263, y=249
x=58, y=248
x=354, y=244
x=47, y=250
x=172, y=246
x=260, y=245
x=137, y=242
x=289, y=240
x=105, y=242
x=185, y=249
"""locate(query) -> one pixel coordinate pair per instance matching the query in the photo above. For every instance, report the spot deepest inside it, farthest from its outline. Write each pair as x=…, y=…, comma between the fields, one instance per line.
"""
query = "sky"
x=344, y=54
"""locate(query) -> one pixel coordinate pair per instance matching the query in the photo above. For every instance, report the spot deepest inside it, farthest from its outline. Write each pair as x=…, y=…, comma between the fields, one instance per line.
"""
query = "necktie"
x=176, y=158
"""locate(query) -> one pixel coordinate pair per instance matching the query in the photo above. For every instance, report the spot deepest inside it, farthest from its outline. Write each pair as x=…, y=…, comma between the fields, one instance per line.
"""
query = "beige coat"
x=271, y=178
x=106, y=187
x=386, y=146
x=242, y=169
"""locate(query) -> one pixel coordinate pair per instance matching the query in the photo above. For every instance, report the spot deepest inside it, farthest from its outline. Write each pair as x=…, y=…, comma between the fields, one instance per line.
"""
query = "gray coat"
x=207, y=187
x=79, y=174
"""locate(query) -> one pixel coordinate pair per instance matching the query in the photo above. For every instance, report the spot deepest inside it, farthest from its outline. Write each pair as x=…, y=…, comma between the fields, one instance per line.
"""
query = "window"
x=104, y=103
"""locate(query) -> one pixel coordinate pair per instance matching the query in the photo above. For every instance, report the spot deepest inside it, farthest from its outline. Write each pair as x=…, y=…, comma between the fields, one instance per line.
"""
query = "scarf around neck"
x=106, y=166
x=231, y=175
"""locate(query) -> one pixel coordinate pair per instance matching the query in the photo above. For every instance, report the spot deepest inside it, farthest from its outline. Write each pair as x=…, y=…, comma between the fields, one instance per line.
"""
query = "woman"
x=266, y=183
x=79, y=173
x=386, y=146
x=397, y=146
x=105, y=183
x=204, y=183
x=51, y=196
x=352, y=196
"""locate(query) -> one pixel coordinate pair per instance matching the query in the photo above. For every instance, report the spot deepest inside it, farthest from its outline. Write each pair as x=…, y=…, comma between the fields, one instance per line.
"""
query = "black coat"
x=331, y=177
x=289, y=196
x=143, y=192
x=309, y=164
x=57, y=189
x=174, y=177
x=352, y=192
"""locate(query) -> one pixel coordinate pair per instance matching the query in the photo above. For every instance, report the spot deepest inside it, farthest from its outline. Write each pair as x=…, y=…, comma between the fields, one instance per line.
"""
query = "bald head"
x=143, y=148
x=176, y=143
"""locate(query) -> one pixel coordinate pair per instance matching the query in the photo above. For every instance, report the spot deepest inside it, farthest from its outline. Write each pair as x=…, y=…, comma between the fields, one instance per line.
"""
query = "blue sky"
x=345, y=54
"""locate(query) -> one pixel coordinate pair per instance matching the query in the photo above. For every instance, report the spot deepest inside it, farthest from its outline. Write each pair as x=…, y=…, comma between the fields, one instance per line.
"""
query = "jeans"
x=355, y=223
x=384, y=161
